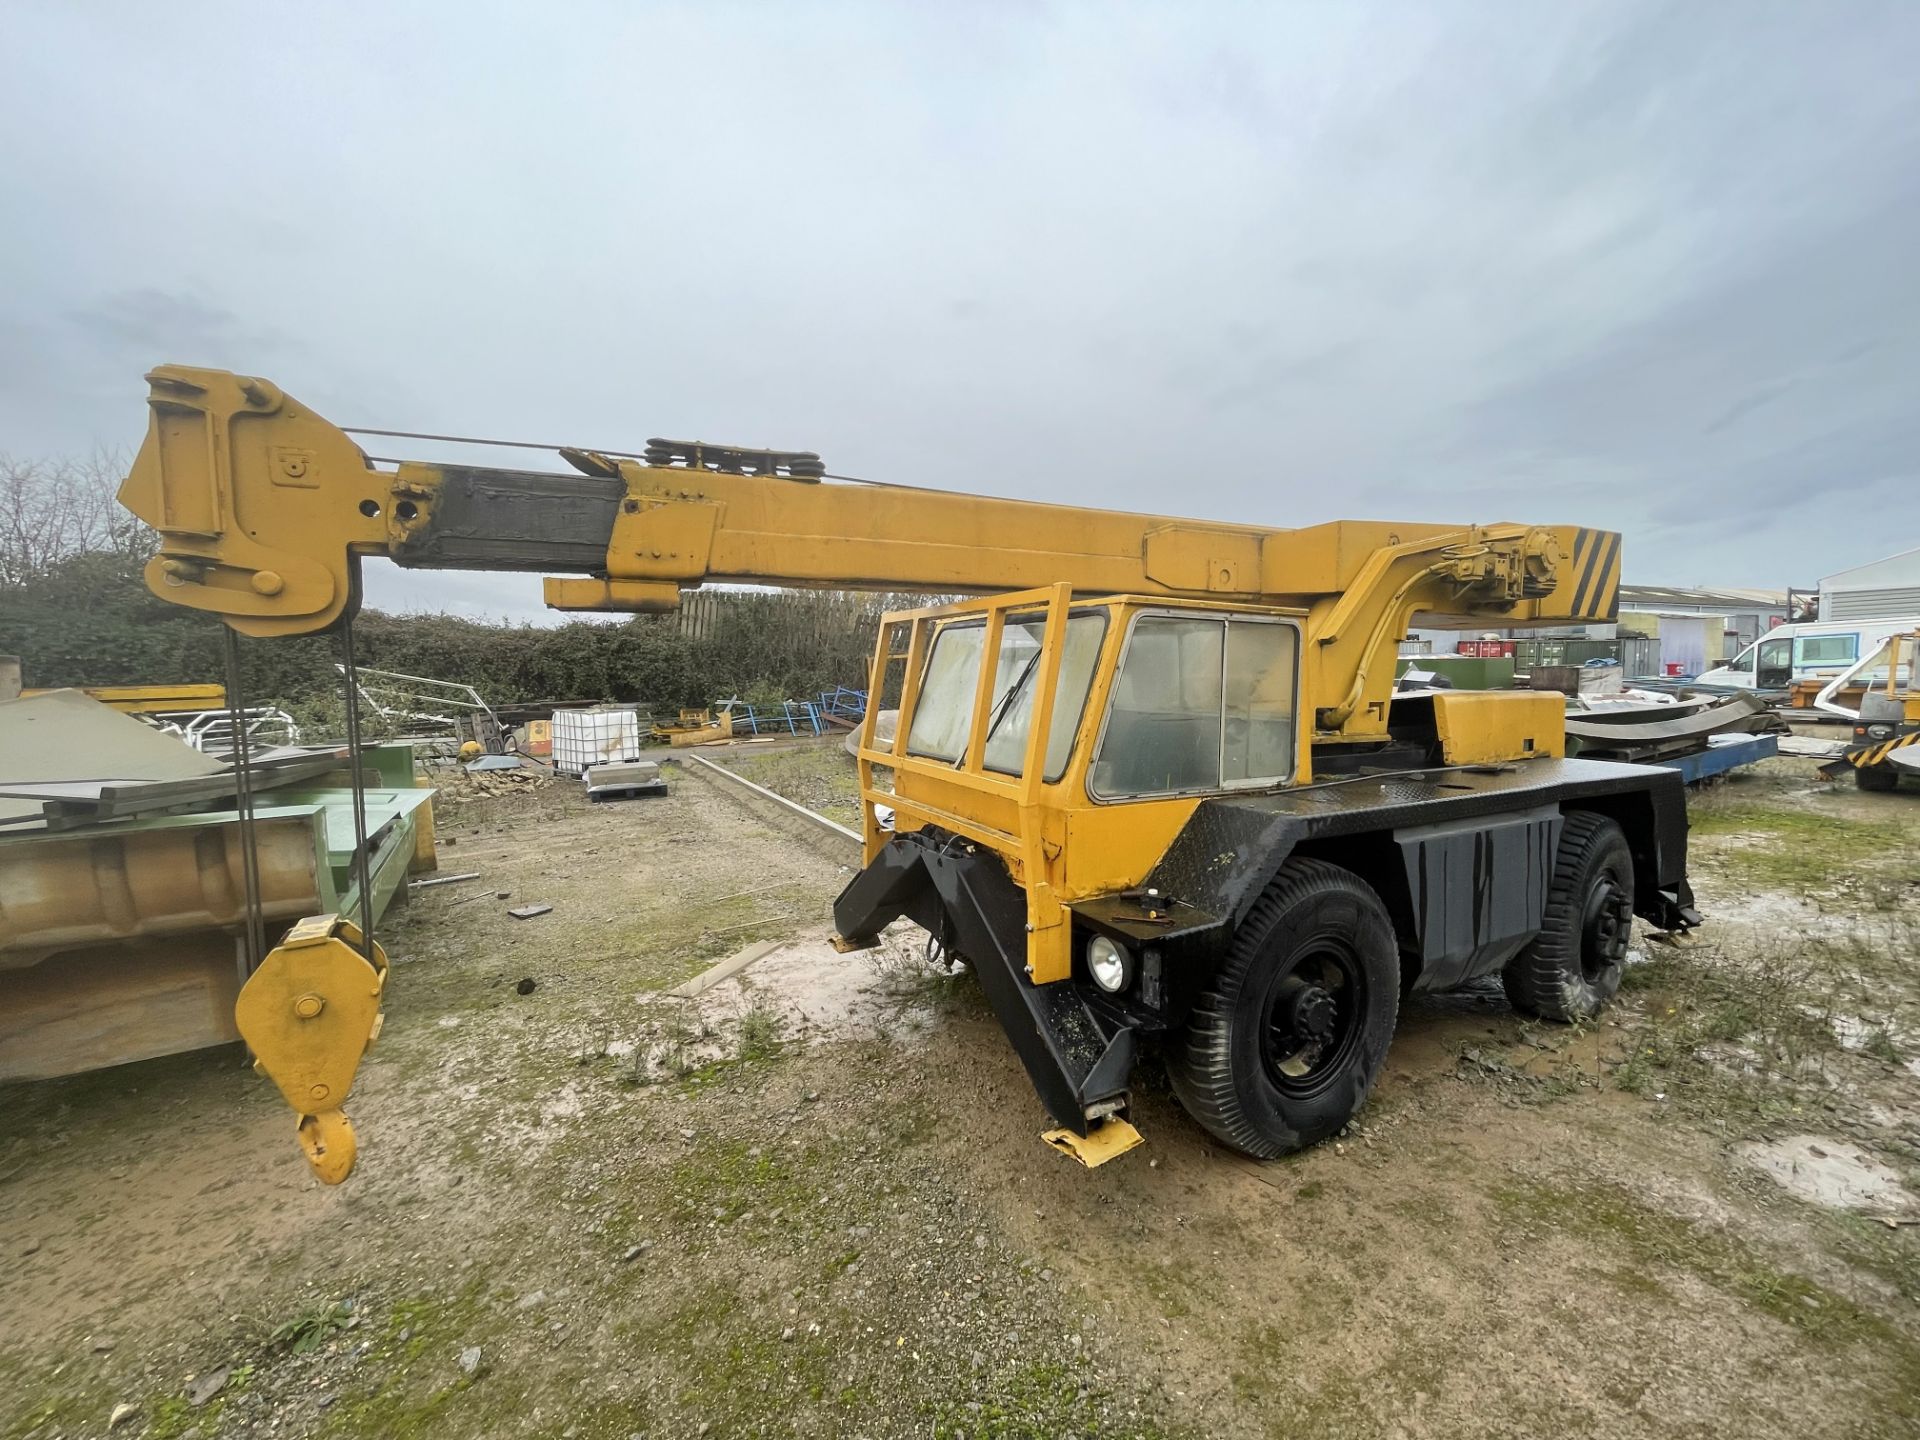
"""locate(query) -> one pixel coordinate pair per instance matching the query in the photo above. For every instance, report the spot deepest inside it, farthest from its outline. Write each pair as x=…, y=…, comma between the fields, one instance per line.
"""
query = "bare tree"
x=52, y=510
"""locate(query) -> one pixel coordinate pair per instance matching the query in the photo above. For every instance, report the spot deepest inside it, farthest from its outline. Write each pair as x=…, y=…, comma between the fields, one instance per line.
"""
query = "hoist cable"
x=350, y=674
x=240, y=758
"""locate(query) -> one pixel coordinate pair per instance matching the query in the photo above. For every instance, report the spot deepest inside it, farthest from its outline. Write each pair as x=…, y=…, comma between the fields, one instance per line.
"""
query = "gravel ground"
x=814, y=1201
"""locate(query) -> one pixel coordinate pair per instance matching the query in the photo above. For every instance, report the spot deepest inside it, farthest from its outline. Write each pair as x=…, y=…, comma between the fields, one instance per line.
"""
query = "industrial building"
x=1881, y=590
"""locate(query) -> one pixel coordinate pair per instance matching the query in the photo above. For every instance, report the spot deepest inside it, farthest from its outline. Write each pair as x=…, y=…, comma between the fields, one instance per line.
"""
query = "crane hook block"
x=308, y=1014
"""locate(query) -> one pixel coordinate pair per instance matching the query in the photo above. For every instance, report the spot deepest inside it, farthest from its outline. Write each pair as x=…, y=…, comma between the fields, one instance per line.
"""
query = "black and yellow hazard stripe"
x=1595, y=571
x=1868, y=755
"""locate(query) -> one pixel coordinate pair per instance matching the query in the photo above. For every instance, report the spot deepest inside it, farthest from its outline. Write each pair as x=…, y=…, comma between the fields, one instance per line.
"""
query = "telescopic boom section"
x=263, y=508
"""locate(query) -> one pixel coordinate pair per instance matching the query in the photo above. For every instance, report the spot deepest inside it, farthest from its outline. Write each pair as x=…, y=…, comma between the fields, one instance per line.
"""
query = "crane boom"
x=263, y=507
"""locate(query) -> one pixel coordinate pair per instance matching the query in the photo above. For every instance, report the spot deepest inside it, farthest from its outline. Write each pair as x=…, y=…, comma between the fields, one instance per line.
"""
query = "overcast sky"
x=1650, y=266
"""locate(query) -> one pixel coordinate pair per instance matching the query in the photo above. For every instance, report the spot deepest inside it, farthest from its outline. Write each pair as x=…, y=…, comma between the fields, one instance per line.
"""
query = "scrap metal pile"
x=1700, y=736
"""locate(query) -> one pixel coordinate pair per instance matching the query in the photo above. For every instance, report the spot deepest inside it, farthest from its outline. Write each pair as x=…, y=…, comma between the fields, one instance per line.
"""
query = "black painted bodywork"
x=1461, y=857
x=963, y=895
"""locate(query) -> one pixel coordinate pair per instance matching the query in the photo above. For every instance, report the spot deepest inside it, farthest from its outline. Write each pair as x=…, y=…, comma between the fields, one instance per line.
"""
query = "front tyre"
x=1879, y=778
x=1571, y=969
x=1283, y=1047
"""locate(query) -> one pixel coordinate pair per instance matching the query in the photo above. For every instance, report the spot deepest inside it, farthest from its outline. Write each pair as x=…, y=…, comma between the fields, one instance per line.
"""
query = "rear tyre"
x=1880, y=777
x=1572, y=968
x=1283, y=1047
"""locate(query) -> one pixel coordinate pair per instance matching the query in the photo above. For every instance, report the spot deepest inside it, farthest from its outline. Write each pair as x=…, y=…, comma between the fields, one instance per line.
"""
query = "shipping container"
x=1640, y=655
x=1542, y=654
x=1464, y=672
x=602, y=735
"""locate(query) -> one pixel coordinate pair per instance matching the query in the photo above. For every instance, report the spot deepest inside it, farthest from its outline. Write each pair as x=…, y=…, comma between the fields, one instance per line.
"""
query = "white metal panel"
x=1897, y=570
x=1888, y=602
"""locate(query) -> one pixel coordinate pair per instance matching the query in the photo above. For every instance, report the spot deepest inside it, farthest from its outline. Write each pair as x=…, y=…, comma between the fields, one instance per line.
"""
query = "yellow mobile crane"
x=1152, y=784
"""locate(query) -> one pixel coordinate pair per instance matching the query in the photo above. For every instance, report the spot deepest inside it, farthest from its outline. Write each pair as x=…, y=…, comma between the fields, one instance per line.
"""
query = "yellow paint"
x=108, y=885
x=1480, y=727
x=426, y=845
x=328, y=1142
x=1105, y=1140
x=260, y=504
x=151, y=699
x=309, y=1013
x=696, y=727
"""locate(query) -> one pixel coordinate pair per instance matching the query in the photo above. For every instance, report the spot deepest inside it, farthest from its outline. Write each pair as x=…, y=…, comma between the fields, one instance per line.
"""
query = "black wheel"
x=1573, y=966
x=1881, y=777
x=1283, y=1047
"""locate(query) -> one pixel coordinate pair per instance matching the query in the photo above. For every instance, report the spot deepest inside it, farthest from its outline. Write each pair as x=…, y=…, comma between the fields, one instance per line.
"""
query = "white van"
x=1805, y=650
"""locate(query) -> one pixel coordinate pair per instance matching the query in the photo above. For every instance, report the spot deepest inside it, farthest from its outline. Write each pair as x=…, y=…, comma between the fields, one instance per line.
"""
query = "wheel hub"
x=1312, y=1014
x=1306, y=1019
x=1609, y=925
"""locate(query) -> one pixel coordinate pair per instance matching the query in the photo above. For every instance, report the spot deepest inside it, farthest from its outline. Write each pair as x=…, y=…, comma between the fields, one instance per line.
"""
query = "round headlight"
x=1109, y=964
x=1880, y=732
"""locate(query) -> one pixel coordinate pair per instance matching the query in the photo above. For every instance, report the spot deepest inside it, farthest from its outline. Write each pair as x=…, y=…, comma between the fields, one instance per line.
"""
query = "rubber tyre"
x=1217, y=1063
x=1880, y=778
x=1572, y=968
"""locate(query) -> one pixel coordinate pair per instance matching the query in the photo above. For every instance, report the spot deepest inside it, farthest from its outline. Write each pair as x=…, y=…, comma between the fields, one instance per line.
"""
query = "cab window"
x=1200, y=703
x=943, y=715
x=1011, y=717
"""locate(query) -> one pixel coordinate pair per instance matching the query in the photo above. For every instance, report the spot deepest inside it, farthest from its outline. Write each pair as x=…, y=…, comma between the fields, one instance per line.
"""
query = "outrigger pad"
x=1106, y=1140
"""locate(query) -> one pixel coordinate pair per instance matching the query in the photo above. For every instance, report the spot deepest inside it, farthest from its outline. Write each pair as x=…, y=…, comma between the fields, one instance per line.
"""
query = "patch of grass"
x=760, y=1030
x=1796, y=847
x=741, y=1378
x=59, y=1404
x=723, y=1179
x=172, y=1417
x=414, y=1351
x=909, y=978
x=1609, y=1212
x=1298, y=1397
x=1730, y=1040
x=1169, y=1288
x=1033, y=1401
x=821, y=777
x=311, y=1328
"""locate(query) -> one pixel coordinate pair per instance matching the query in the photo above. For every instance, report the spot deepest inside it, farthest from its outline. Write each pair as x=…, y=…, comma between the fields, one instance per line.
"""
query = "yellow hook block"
x=308, y=1014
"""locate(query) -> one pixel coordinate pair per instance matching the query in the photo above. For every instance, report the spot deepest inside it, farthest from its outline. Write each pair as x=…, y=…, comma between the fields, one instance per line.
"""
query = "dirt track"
x=814, y=1203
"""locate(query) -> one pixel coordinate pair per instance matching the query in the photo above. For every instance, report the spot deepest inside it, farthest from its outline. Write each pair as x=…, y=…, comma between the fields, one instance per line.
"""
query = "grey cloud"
x=152, y=320
x=1608, y=261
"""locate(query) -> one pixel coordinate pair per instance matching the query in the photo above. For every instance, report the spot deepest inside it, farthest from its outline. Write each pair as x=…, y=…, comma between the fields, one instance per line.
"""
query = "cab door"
x=1773, y=668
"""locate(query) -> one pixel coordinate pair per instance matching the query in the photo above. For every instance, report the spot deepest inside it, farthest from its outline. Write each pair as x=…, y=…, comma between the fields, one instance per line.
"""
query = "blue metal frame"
x=797, y=717
x=1730, y=754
